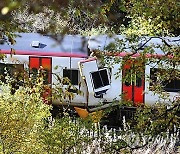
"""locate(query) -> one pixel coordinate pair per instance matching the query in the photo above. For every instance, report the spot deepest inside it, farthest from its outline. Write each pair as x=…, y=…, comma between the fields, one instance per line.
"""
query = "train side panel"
x=68, y=67
x=115, y=91
x=64, y=65
x=152, y=98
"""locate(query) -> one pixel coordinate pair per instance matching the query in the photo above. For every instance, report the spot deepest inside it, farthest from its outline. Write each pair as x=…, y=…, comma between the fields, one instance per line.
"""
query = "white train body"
x=98, y=85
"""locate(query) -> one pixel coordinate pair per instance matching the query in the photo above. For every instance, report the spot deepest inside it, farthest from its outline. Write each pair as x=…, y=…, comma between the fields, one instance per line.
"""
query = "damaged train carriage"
x=68, y=56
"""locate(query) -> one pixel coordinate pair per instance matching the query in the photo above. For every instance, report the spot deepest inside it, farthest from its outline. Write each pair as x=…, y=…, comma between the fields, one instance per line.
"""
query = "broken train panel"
x=102, y=85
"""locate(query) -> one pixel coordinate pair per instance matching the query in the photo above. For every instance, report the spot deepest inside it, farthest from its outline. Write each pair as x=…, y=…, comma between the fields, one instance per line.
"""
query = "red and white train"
x=69, y=58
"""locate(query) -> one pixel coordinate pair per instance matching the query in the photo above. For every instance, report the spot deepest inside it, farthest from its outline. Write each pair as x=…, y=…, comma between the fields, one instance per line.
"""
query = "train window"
x=100, y=79
x=2, y=72
x=153, y=76
x=34, y=73
x=45, y=74
x=172, y=86
x=109, y=71
x=72, y=75
x=168, y=85
x=138, y=81
x=13, y=70
x=128, y=73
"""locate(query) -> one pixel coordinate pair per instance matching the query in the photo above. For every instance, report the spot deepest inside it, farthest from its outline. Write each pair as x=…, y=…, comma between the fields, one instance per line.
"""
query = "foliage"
x=161, y=12
x=138, y=20
x=55, y=17
x=22, y=115
x=158, y=119
x=65, y=136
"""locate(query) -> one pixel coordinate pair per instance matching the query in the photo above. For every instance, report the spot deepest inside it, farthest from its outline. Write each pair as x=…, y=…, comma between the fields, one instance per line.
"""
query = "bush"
x=22, y=114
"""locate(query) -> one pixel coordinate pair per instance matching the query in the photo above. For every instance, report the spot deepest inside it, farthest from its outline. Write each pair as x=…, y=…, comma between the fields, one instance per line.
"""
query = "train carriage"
x=69, y=57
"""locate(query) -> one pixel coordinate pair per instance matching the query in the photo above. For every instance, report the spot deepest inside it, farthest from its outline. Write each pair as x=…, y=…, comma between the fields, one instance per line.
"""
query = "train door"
x=133, y=87
x=42, y=65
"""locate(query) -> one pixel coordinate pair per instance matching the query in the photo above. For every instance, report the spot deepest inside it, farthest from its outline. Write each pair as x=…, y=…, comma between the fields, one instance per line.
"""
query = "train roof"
x=45, y=45
x=101, y=42
x=73, y=45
